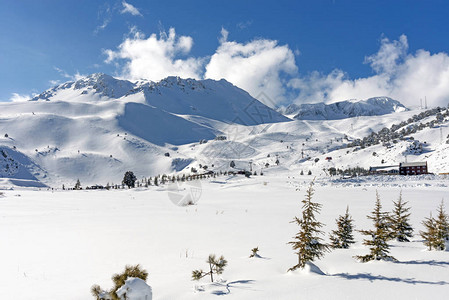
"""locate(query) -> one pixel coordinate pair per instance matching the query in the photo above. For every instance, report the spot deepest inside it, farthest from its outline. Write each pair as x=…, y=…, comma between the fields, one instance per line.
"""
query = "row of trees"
x=131, y=181
x=308, y=242
x=399, y=131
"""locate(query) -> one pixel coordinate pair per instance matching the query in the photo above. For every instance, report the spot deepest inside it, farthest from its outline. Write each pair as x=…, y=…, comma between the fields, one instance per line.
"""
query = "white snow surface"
x=56, y=245
x=135, y=289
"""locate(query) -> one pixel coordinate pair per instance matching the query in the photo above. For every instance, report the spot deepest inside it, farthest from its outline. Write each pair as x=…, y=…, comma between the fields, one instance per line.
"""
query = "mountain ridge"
x=97, y=128
x=344, y=109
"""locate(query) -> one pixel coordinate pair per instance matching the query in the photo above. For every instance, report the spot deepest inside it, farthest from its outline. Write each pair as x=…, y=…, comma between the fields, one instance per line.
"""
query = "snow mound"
x=345, y=109
x=310, y=268
x=135, y=289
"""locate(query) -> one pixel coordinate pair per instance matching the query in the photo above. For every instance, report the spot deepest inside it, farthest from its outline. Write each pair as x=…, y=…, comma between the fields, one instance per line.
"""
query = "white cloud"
x=66, y=75
x=263, y=65
x=54, y=82
x=244, y=25
x=224, y=36
x=156, y=57
x=105, y=13
x=398, y=74
x=131, y=9
x=101, y=27
x=255, y=66
x=15, y=97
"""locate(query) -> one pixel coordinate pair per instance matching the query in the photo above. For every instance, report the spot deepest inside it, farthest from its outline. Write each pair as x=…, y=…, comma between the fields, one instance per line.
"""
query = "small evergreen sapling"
x=442, y=222
x=342, y=237
x=399, y=221
x=377, y=238
x=215, y=266
x=431, y=236
x=254, y=252
x=307, y=242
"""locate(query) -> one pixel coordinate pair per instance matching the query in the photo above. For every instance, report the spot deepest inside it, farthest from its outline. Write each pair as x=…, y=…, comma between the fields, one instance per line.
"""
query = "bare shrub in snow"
x=216, y=266
x=119, y=280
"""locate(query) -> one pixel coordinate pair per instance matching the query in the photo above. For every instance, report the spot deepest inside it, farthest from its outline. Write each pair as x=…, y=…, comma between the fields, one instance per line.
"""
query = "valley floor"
x=56, y=245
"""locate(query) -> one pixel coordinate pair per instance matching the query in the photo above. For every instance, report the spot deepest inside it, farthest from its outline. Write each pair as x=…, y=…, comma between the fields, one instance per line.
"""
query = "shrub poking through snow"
x=307, y=242
x=216, y=266
x=342, y=237
x=119, y=280
x=377, y=238
x=254, y=252
x=399, y=221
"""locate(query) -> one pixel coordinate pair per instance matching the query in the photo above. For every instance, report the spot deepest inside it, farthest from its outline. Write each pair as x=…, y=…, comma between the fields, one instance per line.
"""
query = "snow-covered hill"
x=99, y=127
x=344, y=109
x=217, y=100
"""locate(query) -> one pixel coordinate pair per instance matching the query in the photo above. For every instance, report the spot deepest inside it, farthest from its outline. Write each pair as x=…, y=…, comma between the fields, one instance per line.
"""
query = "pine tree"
x=432, y=239
x=215, y=266
x=442, y=222
x=377, y=238
x=399, y=221
x=342, y=237
x=129, y=179
x=77, y=185
x=307, y=242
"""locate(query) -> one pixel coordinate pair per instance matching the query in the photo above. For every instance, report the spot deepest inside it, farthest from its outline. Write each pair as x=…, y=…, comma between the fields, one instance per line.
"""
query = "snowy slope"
x=344, y=109
x=99, y=127
x=218, y=100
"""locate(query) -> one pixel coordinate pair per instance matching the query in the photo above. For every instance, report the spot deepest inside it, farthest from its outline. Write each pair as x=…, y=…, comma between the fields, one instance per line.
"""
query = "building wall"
x=416, y=170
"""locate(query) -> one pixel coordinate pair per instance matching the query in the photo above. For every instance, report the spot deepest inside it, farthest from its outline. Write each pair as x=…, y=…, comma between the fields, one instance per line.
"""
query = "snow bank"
x=135, y=289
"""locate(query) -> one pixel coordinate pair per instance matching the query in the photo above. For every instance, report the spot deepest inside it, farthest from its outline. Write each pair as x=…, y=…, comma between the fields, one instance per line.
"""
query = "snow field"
x=57, y=245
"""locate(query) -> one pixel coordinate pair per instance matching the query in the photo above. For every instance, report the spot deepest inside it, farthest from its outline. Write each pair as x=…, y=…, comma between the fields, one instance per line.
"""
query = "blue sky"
x=294, y=51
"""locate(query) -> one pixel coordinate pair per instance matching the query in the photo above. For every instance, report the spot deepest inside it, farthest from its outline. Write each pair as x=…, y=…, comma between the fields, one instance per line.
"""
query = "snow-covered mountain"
x=345, y=109
x=99, y=127
x=217, y=100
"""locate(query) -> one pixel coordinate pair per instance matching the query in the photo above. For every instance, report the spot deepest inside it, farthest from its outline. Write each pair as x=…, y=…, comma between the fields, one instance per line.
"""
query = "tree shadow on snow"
x=233, y=284
x=425, y=262
x=370, y=277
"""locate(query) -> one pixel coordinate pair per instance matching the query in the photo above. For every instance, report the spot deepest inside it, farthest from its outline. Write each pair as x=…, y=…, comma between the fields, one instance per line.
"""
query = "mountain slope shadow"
x=159, y=127
x=19, y=168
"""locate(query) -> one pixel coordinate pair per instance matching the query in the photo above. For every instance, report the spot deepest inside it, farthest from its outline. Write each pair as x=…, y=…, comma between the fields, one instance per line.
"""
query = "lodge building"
x=413, y=168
